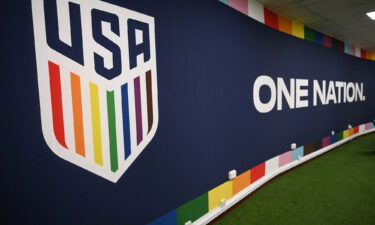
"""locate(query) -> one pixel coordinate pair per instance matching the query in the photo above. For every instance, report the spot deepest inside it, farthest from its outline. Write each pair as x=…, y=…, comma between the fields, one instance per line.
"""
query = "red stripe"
x=356, y=129
x=257, y=172
x=363, y=53
x=271, y=19
x=56, y=103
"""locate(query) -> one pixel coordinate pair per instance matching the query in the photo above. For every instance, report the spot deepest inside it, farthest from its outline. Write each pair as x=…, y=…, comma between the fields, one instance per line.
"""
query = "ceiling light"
x=371, y=15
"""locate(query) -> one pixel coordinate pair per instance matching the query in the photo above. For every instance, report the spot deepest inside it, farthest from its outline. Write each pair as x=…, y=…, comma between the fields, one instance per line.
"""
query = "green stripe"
x=192, y=210
x=112, y=130
x=339, y=136
x=309, y=34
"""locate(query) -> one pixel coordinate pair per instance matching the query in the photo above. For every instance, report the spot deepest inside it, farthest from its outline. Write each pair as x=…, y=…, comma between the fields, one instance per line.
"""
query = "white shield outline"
x=44, y=54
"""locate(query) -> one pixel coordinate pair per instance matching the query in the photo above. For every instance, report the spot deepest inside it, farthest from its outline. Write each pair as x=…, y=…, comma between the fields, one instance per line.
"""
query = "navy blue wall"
x=208, y=56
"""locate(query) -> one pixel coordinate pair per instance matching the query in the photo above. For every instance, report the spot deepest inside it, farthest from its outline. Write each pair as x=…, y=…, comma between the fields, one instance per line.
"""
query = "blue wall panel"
x=208, y=57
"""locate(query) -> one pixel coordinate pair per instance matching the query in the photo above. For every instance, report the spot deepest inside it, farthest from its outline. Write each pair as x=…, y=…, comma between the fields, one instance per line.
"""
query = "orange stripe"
x=285, y=25
x=368, y=55
x=77, y=114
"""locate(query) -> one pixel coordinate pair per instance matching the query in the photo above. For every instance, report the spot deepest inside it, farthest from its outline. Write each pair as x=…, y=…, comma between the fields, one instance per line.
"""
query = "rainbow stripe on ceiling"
x=198, y=207
x=257, y=11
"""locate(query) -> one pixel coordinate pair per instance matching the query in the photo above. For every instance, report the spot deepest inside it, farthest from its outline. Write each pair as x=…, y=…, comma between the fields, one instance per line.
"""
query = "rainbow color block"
x=196, y=208
x=257, y=11
x=227, y=190
x=285, y=158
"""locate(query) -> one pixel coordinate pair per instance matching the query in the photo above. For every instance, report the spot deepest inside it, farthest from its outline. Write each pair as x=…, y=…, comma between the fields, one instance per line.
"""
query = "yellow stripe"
x=95, y=117
x=298, y=30
x=346, y=134
x=223, y=191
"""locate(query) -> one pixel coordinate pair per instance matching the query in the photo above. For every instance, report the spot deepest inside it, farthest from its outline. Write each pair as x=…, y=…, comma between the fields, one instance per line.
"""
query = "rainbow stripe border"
x=211, y=200
x=257, y=11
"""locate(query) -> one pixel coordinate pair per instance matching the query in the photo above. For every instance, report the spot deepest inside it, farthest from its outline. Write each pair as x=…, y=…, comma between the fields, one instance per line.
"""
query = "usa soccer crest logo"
x=96, y=65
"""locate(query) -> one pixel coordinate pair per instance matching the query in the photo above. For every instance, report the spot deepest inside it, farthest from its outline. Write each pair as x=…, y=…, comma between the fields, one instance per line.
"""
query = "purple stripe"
x=138, y=109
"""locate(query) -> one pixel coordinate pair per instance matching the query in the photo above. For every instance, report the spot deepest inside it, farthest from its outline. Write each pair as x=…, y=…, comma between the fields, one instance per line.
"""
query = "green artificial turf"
x=336, y=188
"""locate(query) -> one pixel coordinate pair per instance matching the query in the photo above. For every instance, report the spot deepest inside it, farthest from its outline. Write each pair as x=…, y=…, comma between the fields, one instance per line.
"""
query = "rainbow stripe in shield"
x=102, y=121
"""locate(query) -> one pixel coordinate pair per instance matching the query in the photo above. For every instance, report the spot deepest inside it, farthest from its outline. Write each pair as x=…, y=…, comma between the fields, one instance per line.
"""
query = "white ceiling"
x=344, y=19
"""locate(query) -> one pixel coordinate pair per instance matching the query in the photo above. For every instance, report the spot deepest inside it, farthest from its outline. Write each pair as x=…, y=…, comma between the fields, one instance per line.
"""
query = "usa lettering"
x=112, y=38
x=97, y=81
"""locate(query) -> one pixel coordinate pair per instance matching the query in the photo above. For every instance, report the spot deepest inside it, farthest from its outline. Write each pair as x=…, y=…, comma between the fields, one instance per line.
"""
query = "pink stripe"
x=327, y=41
x=368, y=126
x=326, y=141
x=352, y=50
x=138, y=109
x=285, y=158
x=240, y=5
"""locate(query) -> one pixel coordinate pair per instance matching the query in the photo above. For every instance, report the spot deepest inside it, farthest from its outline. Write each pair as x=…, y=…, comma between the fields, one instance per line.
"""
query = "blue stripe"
x=333, y=139
x=318, y=37
x=168, y=219
x=224, y=1
x=297, y=152
x=347, y=48
x=125, y=120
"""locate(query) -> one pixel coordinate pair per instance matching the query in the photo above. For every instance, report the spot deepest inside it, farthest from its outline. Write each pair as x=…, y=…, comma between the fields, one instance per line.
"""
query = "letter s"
x=98, y=17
